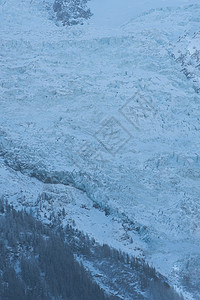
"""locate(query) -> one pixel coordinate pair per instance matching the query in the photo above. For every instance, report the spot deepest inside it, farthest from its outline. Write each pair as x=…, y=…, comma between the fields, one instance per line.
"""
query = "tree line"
x=40, y=262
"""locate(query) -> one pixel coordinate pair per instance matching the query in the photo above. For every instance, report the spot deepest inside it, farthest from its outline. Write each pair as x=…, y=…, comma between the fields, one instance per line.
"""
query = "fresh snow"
x=63, y=89
x=113, y=13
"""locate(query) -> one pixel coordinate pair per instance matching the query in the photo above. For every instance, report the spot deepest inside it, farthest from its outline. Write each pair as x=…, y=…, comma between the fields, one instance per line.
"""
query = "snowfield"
x=100, y=120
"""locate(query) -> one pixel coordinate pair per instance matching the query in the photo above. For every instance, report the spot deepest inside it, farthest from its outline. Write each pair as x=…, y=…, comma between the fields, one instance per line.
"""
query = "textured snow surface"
x=187, y=53
x=102, y=113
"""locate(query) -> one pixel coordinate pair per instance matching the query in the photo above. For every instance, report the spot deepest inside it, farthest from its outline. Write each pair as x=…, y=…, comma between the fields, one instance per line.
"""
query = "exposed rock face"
x=71, y=12
x=187, y=52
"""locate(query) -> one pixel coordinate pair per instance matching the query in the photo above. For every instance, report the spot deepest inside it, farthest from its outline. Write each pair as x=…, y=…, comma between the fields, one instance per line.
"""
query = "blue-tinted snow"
x=61, y=89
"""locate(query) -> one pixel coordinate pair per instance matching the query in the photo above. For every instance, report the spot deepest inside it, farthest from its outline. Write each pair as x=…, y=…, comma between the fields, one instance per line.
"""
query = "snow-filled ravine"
x=100, y=119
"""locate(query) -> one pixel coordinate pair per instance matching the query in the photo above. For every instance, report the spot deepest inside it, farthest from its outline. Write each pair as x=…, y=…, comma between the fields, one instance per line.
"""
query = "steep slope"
x=108, y=113
x=41, y=262
x=187, y=53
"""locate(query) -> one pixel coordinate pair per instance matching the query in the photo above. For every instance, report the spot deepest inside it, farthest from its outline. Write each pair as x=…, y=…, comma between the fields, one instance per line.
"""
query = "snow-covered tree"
x=71, y=12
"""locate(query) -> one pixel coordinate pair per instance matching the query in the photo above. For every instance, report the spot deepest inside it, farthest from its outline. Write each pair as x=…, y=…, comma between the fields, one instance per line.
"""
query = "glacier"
x=101, y=120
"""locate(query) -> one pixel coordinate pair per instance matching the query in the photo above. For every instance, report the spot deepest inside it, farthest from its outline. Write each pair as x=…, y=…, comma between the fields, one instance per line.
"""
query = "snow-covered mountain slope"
x=187, y=53
x=114, y=13
x=104, y=111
